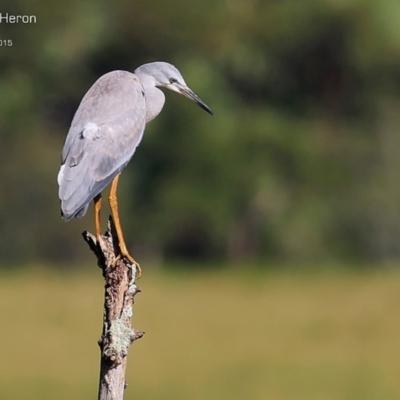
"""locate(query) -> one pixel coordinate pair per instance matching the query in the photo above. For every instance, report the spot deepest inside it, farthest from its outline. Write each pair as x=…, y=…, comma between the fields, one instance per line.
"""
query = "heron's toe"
x=131, y=260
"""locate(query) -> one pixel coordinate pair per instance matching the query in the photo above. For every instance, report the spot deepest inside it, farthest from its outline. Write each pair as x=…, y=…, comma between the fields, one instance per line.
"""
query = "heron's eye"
x=172, y=80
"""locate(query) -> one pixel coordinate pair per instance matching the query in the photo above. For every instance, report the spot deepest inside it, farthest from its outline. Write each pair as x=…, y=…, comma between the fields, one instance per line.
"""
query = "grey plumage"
x=107, y=128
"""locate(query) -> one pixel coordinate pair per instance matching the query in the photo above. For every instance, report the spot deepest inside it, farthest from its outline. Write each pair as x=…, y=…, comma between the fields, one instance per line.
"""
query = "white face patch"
x=172, y=87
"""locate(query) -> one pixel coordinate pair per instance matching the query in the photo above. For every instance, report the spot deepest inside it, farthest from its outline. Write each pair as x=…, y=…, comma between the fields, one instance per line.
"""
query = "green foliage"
x=300, y=161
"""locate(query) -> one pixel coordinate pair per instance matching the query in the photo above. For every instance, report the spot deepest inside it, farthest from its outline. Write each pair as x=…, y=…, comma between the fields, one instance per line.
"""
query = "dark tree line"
x=300, y=162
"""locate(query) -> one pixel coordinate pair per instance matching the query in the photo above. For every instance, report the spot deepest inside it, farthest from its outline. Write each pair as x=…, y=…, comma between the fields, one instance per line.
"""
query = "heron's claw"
x=131, y=260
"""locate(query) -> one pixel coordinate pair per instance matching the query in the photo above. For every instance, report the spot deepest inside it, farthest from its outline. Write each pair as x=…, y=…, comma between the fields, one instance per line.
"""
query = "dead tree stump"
x=118, y=334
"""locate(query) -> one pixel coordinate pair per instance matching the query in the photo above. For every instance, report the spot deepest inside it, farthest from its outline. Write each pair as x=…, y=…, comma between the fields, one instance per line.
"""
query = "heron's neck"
x=155, y=98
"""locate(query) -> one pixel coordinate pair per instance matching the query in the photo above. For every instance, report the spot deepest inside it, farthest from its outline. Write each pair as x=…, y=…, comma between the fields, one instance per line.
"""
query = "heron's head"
x=167, y=76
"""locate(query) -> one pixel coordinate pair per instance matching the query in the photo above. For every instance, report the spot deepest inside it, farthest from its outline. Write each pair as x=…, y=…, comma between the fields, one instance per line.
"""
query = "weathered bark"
x=118, y=334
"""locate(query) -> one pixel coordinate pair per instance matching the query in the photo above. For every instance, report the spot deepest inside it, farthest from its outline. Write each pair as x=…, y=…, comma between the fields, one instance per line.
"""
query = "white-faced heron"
x=104, y=134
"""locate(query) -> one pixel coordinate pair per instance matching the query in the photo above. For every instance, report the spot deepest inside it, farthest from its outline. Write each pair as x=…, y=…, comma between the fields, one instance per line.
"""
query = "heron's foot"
x=131, y=260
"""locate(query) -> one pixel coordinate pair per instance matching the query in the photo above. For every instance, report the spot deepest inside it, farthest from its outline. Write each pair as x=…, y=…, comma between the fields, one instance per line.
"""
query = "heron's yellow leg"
x=112, y=199
x=97, y=208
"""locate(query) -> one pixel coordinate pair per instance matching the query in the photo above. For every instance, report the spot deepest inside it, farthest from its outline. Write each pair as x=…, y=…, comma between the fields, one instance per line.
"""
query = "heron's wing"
x=106, y=129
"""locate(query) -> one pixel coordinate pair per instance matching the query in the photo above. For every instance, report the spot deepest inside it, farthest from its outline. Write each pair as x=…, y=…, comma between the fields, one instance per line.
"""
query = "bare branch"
x=117, y=334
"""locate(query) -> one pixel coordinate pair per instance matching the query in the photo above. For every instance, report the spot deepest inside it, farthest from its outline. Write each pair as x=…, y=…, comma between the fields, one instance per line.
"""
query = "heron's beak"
x=193, y=96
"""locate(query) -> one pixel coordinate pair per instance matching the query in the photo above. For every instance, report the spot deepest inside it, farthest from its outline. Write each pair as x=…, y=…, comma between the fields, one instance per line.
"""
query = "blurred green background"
x=268, y=234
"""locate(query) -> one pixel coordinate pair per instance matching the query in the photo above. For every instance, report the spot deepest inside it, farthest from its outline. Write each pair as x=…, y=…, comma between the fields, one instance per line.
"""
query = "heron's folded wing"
x=104, y=134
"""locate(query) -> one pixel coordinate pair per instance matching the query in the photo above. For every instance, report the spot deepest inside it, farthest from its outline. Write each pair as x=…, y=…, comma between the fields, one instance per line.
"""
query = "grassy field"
x=211, y=335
